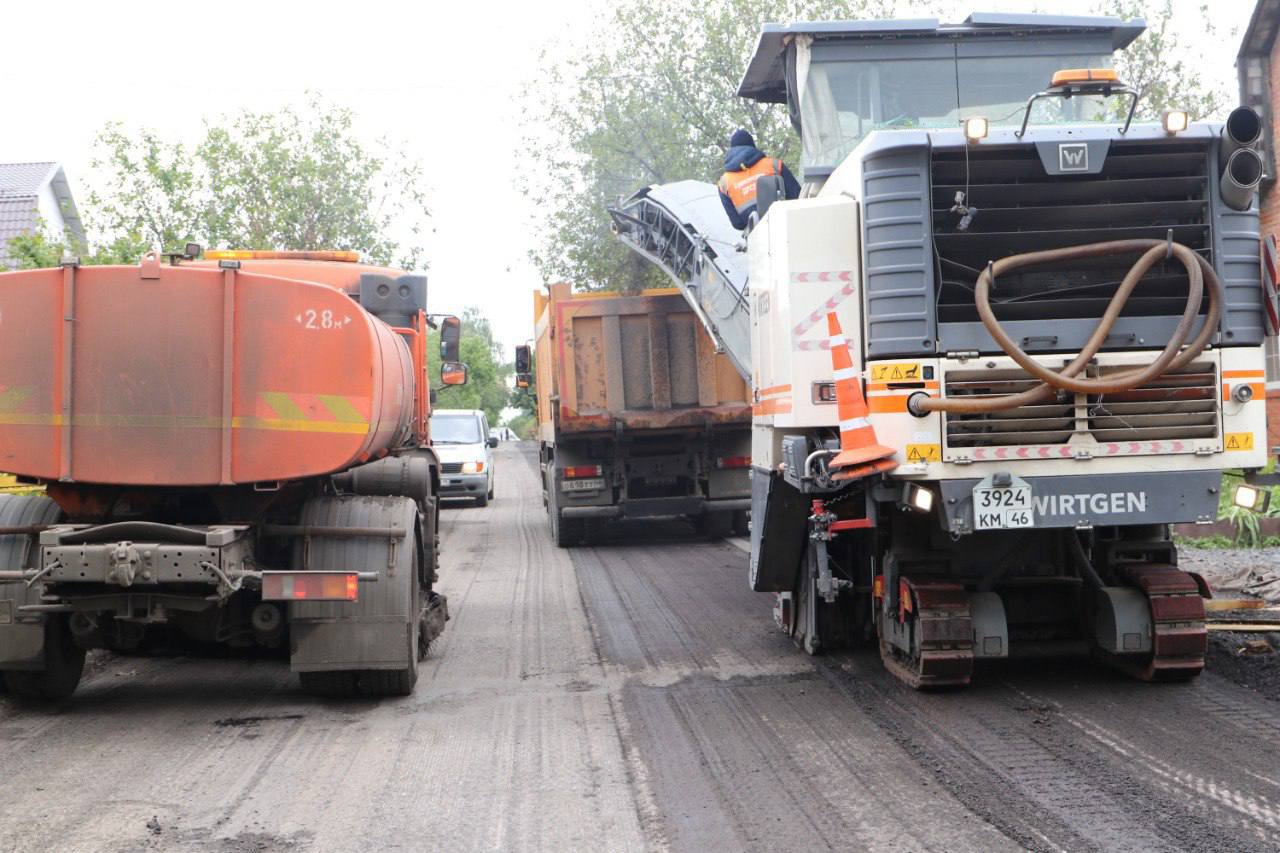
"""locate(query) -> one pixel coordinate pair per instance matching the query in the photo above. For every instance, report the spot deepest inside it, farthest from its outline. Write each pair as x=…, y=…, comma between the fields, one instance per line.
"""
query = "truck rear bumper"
x=657, y=508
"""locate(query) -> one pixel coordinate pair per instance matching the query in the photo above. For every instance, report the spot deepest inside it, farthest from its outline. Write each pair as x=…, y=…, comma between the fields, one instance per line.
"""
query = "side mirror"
x=450, y=334
x=493, y=441
x=523, y=359
x=453, y=373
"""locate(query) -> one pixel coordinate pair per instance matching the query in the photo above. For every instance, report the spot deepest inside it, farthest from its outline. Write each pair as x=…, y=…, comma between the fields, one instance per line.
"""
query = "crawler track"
x=1179, y=637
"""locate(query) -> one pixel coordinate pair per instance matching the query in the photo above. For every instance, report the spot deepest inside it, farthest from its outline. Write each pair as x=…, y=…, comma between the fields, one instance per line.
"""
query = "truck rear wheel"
x=332, y=683
x=714, y=524
x=386, y=619
x=566, y=532
x=63, y=658
x=63, y=666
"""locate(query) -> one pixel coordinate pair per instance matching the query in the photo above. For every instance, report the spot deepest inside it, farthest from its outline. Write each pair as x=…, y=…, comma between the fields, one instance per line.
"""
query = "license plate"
x=1000, y=508
x=582, y=485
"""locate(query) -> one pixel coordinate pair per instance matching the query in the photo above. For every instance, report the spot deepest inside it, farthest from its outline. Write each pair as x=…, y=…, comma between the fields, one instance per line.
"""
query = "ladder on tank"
x=683, y=230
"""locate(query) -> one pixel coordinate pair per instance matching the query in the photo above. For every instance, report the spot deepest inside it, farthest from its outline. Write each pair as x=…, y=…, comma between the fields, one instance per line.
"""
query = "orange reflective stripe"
x=740, y=186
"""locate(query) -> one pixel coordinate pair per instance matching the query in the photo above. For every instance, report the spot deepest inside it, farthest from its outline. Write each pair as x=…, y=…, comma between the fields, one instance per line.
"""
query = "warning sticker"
x=895, y=372
x=924, y=452
x=1239, y=441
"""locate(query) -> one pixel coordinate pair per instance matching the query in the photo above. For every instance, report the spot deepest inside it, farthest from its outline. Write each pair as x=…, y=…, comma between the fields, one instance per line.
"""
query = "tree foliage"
x=649, y=97
x=269, y=180
x=487, y=373
x=1162, y=64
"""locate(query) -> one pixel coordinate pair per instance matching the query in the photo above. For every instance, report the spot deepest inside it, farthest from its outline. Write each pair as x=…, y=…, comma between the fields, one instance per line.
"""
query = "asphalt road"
x=632, y=695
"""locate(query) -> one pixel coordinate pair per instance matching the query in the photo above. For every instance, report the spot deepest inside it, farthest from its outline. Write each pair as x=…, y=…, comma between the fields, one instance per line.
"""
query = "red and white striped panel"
x=1270, y=287
x=815, y=316
x=1069, y=451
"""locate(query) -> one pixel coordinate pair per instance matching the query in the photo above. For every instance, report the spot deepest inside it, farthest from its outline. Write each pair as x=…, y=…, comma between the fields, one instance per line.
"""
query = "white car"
x=462, y=441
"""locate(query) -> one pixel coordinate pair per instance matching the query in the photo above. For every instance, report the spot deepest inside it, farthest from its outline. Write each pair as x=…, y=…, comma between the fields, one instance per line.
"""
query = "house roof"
x=20, y=187
x=1261, y=33
x=765, y=78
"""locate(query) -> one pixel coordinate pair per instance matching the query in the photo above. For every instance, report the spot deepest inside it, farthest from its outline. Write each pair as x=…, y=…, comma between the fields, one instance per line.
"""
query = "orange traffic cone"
x=860, y=454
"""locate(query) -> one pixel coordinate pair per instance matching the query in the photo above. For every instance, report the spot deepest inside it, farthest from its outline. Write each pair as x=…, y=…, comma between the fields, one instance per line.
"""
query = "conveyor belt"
x=682, y=228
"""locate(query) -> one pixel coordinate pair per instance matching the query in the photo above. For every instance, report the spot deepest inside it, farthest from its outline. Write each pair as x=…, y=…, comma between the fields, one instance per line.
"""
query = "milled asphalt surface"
x=632, y=695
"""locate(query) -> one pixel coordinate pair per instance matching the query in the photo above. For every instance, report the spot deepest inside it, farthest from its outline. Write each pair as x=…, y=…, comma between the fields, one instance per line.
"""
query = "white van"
x=461, y=439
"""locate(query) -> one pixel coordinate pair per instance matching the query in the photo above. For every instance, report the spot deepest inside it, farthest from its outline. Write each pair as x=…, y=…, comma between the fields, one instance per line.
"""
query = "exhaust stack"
x=1240, y=164
x=1240, y=180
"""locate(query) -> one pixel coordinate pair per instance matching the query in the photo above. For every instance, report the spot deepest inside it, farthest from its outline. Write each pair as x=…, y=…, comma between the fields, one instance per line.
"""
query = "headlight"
x=472, y=467
x=1175, y=121
x=917, y=497
x=1251, y=497
x=976, y=128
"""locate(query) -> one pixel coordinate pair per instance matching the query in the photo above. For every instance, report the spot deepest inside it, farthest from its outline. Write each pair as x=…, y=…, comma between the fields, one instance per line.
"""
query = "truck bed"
x=637, y=361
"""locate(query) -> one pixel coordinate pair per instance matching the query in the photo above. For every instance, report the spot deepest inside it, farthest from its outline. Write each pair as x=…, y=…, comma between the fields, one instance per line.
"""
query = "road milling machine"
x=1005, y=338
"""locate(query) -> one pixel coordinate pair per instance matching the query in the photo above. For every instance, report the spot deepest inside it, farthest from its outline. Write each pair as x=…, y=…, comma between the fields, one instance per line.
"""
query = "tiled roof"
x=17, y=216
x=24, y=179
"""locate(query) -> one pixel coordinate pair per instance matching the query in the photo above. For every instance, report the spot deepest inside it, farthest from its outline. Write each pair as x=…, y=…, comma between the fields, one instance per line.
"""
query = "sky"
x=443, y=79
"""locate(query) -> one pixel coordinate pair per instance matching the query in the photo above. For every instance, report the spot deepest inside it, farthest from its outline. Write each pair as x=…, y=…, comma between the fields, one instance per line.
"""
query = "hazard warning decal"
x=924, y=452
x=896, y=372
x=1238, y=441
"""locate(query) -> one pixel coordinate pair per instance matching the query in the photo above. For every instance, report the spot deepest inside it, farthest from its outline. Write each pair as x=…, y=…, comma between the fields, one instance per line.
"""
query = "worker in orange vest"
x=744, y=164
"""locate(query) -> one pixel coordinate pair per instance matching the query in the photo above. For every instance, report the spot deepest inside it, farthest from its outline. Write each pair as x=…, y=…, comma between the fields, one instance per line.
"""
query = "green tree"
x=524, y=425
x=649, y=97
x=487, y=373
x=1163, y=65
x=269, y=180
x=35, y=250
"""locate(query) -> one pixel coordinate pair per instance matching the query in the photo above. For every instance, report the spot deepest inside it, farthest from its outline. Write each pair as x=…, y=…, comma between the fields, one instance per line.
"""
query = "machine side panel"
x=901, y=316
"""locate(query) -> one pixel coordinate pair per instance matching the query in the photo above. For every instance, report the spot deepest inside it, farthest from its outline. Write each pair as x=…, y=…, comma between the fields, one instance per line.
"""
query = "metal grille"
x=451, y=467
x=1181, y=405
x=1145, y=190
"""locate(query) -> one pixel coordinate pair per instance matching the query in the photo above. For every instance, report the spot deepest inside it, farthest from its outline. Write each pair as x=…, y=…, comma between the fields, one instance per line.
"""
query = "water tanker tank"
x=196, y=375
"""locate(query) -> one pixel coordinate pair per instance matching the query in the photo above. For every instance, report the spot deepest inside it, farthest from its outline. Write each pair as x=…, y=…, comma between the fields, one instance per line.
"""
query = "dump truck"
x=1004, y=339
x=235, y=449
x=638, y=415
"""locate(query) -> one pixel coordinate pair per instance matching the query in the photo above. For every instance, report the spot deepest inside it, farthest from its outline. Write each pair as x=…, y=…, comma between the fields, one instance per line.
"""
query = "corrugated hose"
x=1172, y=357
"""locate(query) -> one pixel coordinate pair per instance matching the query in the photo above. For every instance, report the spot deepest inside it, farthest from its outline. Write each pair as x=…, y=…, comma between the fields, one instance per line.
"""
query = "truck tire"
x=714, y=524
x=329, y=683
x=63, y=658
x=741, y=522
x=566, y=532
x=388, y=600
x=482, y=500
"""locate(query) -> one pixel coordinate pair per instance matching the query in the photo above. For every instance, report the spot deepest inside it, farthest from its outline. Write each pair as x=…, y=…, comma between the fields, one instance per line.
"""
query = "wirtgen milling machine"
x=1006, y=338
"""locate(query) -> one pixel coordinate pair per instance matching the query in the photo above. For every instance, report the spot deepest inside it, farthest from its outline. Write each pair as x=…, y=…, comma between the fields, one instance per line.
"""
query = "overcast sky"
x=442, y=77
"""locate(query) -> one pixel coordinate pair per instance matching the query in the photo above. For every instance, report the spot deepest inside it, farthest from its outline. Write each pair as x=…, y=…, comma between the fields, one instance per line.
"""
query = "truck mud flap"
x=780, y=517
x=379, y=629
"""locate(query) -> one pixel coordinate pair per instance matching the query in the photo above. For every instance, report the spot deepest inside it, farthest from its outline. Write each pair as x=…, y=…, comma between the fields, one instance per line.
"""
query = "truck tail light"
x=310, y=586
x=573, y=472
x=733, y=462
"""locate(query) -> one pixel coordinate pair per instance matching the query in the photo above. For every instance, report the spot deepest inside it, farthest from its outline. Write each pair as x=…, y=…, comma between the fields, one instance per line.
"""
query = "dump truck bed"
x=639, y=362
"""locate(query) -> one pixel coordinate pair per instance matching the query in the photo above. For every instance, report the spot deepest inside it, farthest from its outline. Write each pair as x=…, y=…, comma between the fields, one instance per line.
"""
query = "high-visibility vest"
x=740, y=186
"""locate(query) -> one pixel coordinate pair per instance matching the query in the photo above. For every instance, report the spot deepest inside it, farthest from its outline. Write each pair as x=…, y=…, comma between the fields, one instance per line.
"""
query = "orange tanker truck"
x=236, y=448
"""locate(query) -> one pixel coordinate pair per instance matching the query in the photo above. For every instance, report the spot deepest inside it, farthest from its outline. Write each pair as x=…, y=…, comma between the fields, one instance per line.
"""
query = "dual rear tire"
x=58, y=674
x=398, y=594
